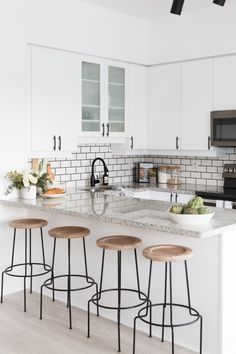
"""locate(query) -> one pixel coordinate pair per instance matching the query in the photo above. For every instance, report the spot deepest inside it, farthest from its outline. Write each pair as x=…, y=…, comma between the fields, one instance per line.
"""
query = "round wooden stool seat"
x=69, y=232
x=167, y=253
x=119, y=242
x=28, y=223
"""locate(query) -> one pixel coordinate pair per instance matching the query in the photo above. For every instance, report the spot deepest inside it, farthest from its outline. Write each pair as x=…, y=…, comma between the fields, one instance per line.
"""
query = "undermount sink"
x=100, y=189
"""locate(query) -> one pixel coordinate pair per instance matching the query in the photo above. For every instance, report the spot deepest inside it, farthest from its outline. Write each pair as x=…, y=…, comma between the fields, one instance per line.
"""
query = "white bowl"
x=189, y=219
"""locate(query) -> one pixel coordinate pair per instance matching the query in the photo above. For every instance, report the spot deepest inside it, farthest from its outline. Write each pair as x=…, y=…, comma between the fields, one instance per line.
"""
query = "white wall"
x=68, y=24
x=205, y=32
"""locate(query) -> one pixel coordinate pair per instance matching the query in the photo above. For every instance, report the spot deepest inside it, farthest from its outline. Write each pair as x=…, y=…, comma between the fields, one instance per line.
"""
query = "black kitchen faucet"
x=93, y=180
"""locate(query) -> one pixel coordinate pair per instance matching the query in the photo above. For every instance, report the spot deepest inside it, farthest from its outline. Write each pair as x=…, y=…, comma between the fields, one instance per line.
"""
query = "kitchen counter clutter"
x=133, y=212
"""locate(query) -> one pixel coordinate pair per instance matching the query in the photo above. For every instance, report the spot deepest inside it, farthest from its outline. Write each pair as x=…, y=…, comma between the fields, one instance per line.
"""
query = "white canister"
x=28, y=192
x=162, y=175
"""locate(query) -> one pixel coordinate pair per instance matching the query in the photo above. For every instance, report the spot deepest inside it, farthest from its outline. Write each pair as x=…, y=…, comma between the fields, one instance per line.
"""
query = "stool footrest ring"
x=49, y=282
x=47, y=269
x=97, y=297
x=192, y=313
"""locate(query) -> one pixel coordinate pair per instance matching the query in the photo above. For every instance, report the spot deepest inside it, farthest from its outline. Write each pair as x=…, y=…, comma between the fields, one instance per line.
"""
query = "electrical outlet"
x=195, y=164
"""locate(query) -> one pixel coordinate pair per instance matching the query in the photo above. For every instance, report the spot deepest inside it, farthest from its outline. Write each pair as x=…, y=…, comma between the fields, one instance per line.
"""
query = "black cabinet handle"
x=131, y=142
x=108, y=129
x=103, y=129
x=176, y=198
x=177, y=143
x=54, y=143
x=59, y=143
x=209, y=143
x=171, y=197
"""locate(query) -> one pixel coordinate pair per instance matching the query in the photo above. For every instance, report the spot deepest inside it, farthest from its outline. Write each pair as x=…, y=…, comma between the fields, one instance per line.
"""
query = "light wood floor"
x=24, y=333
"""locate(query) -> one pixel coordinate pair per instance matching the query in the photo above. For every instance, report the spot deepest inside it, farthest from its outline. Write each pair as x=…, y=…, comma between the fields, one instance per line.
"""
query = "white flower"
x=29, y=179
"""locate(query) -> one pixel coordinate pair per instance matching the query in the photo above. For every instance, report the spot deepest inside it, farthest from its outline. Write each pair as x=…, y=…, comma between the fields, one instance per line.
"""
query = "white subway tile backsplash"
x=76, y=171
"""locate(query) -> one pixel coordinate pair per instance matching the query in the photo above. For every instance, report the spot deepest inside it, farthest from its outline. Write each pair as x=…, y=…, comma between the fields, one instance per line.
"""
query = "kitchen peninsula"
x=212, y=289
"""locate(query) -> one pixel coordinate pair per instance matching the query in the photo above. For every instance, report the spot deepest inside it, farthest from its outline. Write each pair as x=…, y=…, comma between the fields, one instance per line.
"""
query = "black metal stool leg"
x=148, y=299
x=42, y=243
x=164, y=305
x=69, y=283
x=25, y=277
x=188, y=289
x=200, y=352
x=12, y=261
x=171, y=310
x=30, y=261
x=100, y=289
x=119, y=297
x=134, y=335
x=86, y=269
x=53, y=265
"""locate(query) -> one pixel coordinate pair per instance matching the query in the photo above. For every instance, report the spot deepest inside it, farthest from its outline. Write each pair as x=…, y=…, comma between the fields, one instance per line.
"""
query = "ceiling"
x=149, y=9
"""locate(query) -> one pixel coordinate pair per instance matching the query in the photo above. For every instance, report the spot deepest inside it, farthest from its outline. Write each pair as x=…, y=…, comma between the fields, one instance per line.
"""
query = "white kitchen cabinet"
x=224, y=83
x=137, y=123
x=183, y=198
x=104, y=100
x=164, y=107
x=55, y=100
x=196, y=104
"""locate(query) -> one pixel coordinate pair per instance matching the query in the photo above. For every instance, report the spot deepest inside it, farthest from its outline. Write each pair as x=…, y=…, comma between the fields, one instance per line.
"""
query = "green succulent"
x=189, y=211
x=195, y=203
x=176, y=209
x=204, y=210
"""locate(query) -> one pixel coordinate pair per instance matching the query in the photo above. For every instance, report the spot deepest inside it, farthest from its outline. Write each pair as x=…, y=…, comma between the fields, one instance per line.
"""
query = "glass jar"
x=173, y=175
x=162, y=174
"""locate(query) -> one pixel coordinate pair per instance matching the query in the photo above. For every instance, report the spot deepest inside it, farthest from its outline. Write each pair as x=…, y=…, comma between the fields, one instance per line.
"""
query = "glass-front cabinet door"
x=91, y=97
x=116, y=100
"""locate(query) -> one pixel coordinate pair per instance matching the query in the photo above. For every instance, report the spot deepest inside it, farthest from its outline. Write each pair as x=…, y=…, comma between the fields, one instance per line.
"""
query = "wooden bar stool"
x=68, y=233
x=168, y=254
x=27, y=225
x=118, y=244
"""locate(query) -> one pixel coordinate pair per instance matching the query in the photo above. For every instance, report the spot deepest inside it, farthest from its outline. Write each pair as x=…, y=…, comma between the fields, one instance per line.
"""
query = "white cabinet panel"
x=164, y=106
x=137, y=107
x=56, y=91
x=183, y=198
x=224, y=83
x=196, y=104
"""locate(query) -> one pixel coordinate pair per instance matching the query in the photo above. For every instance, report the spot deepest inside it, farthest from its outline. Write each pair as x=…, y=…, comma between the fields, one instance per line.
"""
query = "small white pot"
x=28, y=193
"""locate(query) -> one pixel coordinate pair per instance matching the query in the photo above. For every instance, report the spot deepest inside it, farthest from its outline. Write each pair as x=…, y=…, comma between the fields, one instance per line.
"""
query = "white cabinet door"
x=116, y=100
x=137, y=122
x=55, y=99
x=196, y=104
x=164, y=106
x=183, y=198
x=224, y=83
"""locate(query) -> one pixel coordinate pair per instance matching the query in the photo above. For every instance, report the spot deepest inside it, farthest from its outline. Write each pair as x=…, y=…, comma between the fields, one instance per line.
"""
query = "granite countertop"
x=180, y=188
x=140, y=213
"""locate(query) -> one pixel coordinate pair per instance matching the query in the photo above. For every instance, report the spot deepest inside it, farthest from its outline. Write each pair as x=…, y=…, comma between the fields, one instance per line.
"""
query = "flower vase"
x=28, y=192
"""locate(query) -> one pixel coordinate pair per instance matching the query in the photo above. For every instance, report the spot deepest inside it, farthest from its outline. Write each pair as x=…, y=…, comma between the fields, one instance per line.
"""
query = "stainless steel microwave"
x=223, y=128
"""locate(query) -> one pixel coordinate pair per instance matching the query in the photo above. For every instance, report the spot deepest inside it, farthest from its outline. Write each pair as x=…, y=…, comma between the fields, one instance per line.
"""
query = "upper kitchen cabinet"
x=91, y=98
x=55, y=100
x=104, y=100
x=164, y=107
x=224, y=83
x=137, y=123
x=196, y=104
